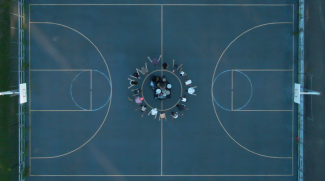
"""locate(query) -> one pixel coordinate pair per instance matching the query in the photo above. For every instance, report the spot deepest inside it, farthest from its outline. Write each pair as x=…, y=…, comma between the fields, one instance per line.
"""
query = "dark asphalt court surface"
x=240, y=126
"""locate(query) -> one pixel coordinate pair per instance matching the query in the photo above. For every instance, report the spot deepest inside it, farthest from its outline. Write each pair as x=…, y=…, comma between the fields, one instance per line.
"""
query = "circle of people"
x=154, y=112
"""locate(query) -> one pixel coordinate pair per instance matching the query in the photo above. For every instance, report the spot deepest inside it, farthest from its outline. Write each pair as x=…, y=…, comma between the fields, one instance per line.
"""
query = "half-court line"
x=232, y=90
x=162, y=73
x=91, y=90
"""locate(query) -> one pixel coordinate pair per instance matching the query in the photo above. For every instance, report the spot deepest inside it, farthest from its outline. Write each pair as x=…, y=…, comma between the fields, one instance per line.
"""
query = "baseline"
x=160, y=175
x=161, y=4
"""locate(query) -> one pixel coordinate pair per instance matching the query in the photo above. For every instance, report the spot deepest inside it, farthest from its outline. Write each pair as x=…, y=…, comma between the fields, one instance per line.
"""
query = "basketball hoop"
x=298, y=93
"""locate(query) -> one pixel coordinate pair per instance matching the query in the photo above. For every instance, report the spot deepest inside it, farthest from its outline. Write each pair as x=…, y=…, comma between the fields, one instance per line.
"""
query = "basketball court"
x=240, y=126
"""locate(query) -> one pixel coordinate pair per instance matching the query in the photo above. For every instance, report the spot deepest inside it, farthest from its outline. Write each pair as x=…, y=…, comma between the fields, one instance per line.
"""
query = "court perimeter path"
x=240, y=126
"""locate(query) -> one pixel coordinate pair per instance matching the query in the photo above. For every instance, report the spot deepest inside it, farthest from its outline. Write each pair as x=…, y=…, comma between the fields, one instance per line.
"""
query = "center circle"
x=144, y=80
x=251, y=91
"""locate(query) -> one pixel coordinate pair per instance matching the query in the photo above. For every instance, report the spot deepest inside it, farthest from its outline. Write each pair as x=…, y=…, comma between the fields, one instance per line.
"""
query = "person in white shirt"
x=191, y=90
x=174, y=115
x=143, y=109
x=188, y=82
x=183, y=99
x=182, y=73
x=153, y=112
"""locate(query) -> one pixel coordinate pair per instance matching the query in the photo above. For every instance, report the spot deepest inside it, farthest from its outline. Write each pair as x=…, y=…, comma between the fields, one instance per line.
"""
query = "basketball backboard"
x=22, y=93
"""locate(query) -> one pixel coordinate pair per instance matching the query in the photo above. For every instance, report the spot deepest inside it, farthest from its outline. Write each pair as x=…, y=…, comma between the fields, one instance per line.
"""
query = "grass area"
x=5, y=101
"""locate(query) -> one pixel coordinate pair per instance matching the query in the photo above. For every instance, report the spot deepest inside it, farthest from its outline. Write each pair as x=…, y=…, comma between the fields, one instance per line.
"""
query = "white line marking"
x=160, y=175
x=260, y=110
x=293, y=81
x=53, y=70
x=91, y=90
x=212, y=90
x=60, y=110
x=30, y=100
x=161, y=4
x=263, y=70
x=162, y=124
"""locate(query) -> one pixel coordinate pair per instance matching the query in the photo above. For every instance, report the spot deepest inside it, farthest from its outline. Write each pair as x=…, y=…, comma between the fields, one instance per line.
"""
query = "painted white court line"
x=162, y=122
x=161, y=175
x=162, y=4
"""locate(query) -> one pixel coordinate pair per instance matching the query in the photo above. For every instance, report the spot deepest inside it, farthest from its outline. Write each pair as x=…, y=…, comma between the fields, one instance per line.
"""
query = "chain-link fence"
x=301, y=80
x=17, y=76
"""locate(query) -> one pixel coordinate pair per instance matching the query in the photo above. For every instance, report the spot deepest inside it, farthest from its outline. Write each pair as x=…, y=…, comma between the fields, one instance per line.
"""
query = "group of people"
x=162, y=114
x=161, y=87
x=154, y=111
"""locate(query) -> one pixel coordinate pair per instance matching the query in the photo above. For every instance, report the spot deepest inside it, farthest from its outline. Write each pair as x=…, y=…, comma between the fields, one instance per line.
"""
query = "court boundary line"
x=162, y=103
x=58, y=70
x=293, y=81
x=109, y=73
x=160, y=175
x=30, y=98
x=263, y=70
x=57, y=110
x=109, y=106
x=252, y=110
x=272, y=23
x=279, y=5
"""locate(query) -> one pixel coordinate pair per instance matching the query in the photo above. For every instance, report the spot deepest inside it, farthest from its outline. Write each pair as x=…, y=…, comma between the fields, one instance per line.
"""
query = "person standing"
x=174, y=115
x=155, y=61
x=144, y=70
x=143, y=109
x=182, y=73
x=183, y=99
x=139, y=100
x=132, y=83
x=191, y=90
x=175, y=66
x=188, y=82
x=136, y=91
x=165, y=65
x=162, y=116
x=136, y=75
x=153, y=112
x=181, y=108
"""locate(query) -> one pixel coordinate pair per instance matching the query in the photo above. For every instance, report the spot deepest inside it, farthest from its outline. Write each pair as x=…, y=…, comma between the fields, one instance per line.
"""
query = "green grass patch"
x=5, y=101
